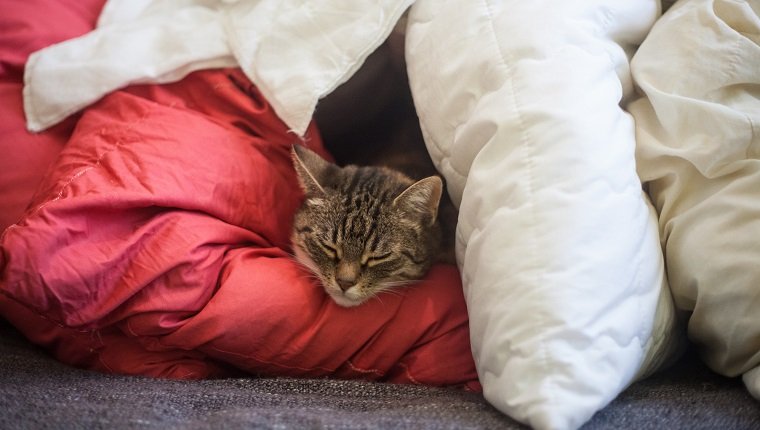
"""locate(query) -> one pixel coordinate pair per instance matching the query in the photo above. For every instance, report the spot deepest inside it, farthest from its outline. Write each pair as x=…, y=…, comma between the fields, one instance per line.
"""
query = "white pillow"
x=558, y=246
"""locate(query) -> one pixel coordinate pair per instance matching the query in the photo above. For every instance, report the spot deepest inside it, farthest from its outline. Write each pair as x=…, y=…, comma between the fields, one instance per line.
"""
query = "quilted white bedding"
x=559, y=249
x=531, y=112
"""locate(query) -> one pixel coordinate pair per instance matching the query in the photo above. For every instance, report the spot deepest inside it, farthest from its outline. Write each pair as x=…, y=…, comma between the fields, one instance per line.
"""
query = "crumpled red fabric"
x=158, y=245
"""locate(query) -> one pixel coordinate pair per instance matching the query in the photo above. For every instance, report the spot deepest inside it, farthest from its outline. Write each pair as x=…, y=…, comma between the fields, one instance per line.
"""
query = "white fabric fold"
x=295, y=51
x=64, y=78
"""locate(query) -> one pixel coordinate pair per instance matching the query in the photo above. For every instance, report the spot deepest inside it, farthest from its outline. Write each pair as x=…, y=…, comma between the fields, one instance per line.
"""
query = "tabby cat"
x=363, y=230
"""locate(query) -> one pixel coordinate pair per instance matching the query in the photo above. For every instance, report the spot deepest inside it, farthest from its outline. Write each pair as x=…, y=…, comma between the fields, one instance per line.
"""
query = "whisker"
x=377, y=297
x=311, y=267
x=389, y=290
x=394, y=284
x=393, y=293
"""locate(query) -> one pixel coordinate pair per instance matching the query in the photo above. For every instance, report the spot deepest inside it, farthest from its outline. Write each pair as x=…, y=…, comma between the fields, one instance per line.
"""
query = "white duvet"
x=530, y=111
x=558, y=246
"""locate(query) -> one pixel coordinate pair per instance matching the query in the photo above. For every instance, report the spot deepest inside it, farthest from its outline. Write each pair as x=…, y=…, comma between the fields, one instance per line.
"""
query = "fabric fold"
x=293, y=51
x=66, y=77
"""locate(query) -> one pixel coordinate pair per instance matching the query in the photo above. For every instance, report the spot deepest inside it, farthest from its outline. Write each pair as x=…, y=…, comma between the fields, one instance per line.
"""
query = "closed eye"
x=377, y=259
x=411, y=257
x=328, y=249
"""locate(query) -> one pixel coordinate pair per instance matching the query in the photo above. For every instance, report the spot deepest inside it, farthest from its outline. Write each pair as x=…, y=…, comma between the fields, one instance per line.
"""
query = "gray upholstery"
x=37, y=392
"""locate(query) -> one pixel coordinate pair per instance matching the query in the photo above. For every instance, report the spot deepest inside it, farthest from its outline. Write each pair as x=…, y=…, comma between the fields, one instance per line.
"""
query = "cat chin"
x=345, y=301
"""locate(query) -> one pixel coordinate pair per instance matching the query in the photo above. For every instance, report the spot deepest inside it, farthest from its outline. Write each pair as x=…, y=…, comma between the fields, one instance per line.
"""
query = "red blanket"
x=158, y=242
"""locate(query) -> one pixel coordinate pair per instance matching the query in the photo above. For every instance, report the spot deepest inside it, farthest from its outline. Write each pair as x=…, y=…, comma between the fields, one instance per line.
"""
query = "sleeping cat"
x=363, y=230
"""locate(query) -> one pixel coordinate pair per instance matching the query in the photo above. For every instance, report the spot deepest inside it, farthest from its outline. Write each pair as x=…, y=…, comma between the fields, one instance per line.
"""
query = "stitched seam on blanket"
x=530, y=183
x=116, y=146
x=360, y=370
x=409, y=374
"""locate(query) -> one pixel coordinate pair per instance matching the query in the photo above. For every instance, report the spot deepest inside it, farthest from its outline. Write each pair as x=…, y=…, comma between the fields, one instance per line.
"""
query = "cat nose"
x=345, y=284
x=346, y=274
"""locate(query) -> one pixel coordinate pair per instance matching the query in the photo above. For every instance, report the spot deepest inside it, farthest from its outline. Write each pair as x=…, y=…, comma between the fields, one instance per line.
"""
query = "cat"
x=363, y=230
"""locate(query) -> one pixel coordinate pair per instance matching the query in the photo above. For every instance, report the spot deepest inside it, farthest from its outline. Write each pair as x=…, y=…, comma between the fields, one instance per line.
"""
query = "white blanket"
x=559, y=248
x=295, y=51
x=520, y=103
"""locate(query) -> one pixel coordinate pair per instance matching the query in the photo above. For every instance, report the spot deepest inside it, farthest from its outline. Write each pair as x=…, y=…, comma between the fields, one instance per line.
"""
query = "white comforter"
x=559, y=249
x=528, y=109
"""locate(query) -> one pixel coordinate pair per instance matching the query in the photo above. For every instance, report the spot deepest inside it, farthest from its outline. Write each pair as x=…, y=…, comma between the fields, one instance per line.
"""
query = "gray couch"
x=37, y=392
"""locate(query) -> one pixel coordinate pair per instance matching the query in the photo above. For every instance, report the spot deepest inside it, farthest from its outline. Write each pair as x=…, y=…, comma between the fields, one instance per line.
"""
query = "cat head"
x=363, y=230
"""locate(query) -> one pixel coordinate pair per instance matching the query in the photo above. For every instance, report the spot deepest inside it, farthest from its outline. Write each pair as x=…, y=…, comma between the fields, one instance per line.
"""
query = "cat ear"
x=312, y=169
x=421, y=198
